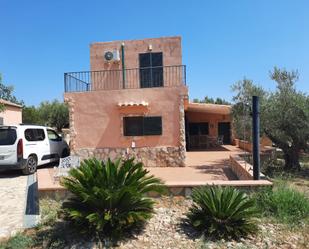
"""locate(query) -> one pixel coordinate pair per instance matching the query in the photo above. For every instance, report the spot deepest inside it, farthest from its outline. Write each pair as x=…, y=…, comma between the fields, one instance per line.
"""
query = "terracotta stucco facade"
x=169, y=46
x=96, y=117
x=111, y=72
x=97, y=114
x=12, y=114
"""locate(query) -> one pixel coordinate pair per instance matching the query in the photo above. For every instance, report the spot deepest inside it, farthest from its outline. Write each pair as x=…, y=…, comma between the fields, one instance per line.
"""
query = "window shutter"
x=152, y=125
x=133, y=126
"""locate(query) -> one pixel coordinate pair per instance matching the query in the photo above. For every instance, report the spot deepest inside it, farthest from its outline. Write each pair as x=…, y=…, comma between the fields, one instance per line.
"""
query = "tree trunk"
x=291, y=158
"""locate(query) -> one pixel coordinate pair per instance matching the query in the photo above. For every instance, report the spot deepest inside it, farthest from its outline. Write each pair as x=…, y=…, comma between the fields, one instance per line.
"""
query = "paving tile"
x=13, y=187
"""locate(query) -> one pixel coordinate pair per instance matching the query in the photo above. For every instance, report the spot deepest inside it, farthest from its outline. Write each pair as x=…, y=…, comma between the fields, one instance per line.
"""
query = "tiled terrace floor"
x=202, y=167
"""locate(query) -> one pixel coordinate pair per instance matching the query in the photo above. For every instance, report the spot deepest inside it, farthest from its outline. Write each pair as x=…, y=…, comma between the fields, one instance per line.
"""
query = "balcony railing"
x=167, y=76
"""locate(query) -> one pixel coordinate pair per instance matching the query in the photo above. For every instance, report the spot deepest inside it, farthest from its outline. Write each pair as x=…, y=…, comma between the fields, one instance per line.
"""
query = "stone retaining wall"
x=150, y=156
x=171, y=190
x=242, y=169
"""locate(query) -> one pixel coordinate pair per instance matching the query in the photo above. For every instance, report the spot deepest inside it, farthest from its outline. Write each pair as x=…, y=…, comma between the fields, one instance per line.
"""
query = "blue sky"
x=222, y=41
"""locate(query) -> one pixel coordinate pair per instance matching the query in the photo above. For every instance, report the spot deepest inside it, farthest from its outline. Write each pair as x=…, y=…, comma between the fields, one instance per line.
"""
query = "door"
x=224, y=129
x=54, y=143
x=151, y=70
x=197, y=135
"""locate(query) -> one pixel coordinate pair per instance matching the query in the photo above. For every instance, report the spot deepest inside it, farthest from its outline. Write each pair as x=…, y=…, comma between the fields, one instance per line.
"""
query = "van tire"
x=31, y=165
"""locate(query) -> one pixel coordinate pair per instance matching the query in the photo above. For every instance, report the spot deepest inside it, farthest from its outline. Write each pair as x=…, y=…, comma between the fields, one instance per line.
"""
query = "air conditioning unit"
x=112, y=56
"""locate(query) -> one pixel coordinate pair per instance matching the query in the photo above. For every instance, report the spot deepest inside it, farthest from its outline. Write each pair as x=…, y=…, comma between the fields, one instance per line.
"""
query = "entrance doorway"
x=197, y=136
x=224, y=129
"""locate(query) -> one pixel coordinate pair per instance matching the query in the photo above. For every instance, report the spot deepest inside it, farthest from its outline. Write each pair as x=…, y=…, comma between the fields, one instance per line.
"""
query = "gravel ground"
x=165, y=230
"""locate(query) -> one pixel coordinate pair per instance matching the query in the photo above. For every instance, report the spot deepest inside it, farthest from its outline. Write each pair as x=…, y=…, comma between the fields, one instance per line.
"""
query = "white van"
x=27, y=146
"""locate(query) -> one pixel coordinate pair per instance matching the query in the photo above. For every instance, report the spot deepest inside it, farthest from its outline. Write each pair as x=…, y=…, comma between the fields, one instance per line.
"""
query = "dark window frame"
x=11, y=136
x=149, y=73
x=127, y=131
x=35, y=135
x=58, y=138
x=144, y=130
x=197, y=128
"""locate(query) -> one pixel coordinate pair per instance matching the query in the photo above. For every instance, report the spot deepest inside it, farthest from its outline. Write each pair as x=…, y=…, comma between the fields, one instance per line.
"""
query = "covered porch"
x=208, y=126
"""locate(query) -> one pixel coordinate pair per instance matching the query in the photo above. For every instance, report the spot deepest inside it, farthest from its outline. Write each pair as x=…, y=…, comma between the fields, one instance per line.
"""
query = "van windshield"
x=7, y=136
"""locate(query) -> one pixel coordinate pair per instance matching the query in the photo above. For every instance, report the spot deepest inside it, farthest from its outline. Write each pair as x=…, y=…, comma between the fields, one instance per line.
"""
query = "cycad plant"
x=222, y=212
x=108, y=198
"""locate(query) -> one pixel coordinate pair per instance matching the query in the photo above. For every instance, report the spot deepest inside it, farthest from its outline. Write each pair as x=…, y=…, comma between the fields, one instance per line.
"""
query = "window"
x=52, y=135
x=133, y=126
x=1, y=120
x=34, y=134
x=151, y=69
x=142, y=126
x=152, y=125
x=8, y=136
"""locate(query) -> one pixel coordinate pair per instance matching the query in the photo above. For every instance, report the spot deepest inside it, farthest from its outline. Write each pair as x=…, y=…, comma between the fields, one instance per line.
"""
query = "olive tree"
x=31, y=115
x=55, y=114
x=286, y=117
x=284, y=114
x=59, y=115
x=241, y=108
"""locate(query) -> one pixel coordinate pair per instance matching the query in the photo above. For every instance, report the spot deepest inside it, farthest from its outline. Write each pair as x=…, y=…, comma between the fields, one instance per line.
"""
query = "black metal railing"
x=147, y=77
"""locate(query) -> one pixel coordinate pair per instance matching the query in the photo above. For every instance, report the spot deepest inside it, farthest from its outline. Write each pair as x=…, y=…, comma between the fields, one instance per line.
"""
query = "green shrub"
x=284, y=203
x=222, y=212
x=49, y=209
x=110, y=197
x=19, y=241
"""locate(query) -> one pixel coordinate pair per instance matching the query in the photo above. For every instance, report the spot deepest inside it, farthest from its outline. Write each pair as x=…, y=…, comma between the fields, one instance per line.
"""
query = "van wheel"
x=31, y=165
x=65, y=153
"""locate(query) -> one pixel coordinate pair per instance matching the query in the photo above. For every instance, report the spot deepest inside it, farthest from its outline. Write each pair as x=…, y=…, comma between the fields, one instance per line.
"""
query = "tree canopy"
x=54, y=114
x=6, y=93
x=241, y=110
x=210, y=100
x=284, y=114
x=286, y=117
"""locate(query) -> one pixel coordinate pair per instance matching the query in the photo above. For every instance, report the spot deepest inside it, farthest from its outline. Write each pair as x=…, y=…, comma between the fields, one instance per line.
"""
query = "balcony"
x=148, y=77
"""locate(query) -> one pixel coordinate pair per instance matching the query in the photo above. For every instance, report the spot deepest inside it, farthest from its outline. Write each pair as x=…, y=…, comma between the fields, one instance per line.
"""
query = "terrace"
x=134, y=78
x=202, y=168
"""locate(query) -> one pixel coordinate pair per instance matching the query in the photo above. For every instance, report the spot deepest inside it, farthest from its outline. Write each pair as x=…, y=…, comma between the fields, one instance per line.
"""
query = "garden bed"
x=165, y=230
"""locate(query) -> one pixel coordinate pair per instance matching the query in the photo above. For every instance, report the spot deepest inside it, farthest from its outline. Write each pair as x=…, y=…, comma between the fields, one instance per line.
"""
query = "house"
x=12, y=113
x=135, y=101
